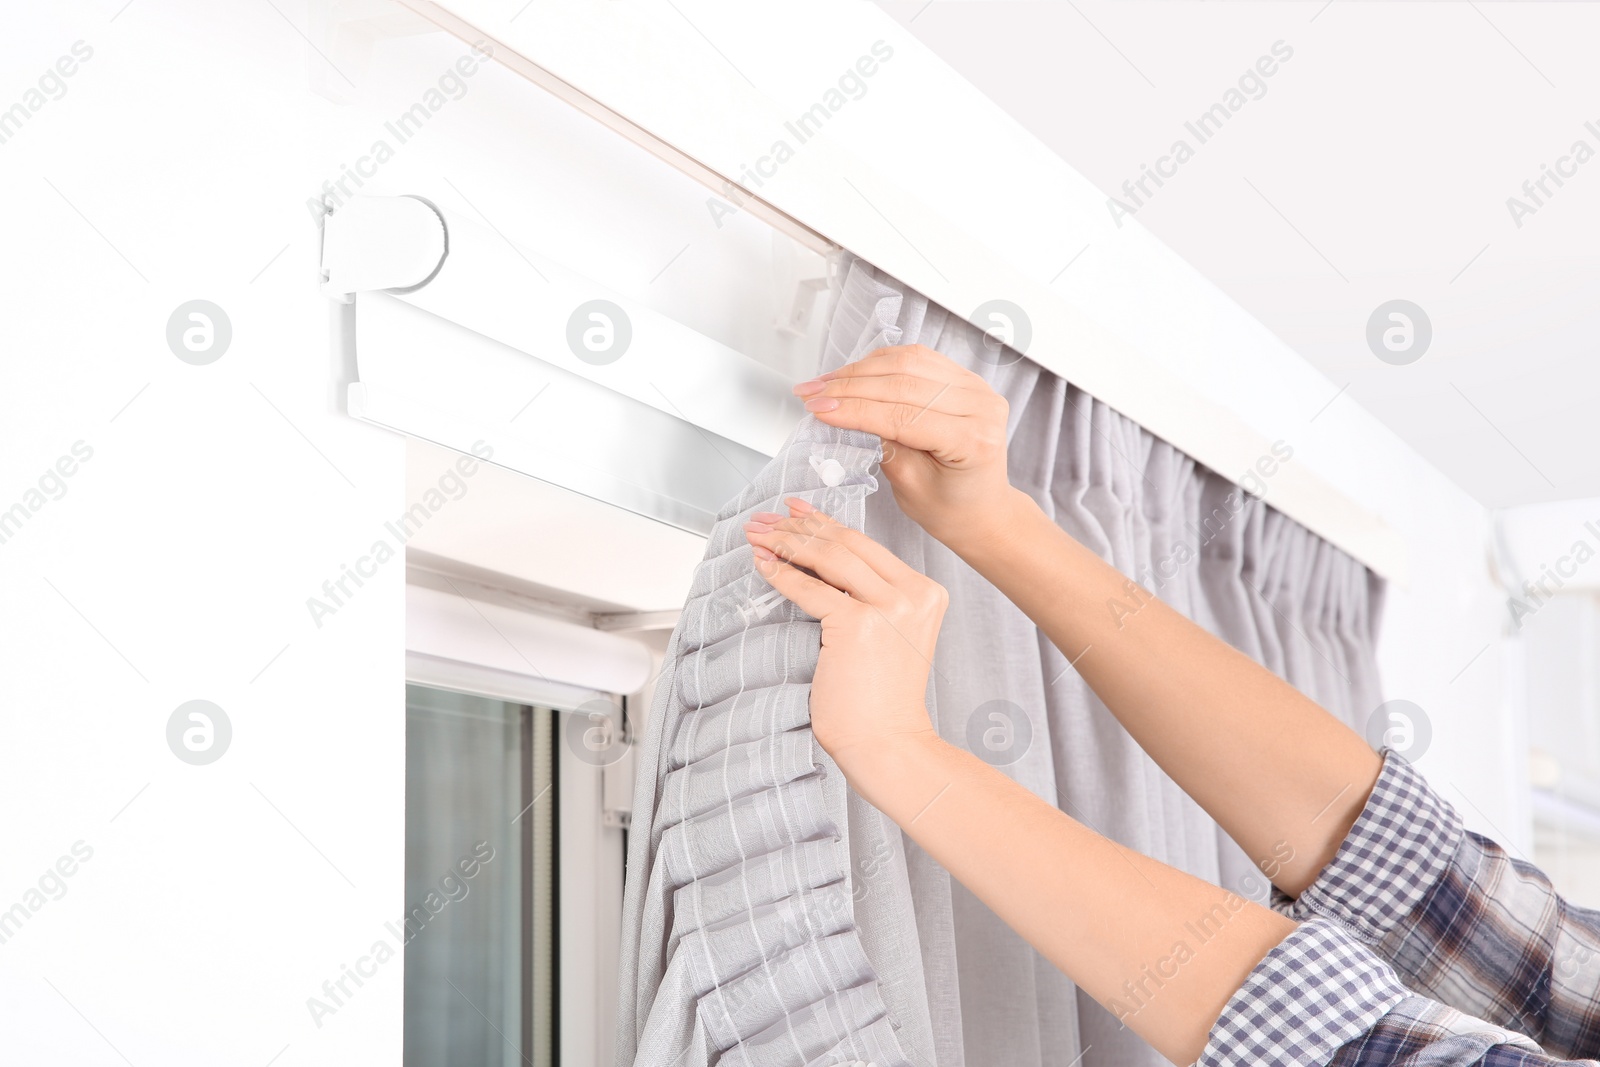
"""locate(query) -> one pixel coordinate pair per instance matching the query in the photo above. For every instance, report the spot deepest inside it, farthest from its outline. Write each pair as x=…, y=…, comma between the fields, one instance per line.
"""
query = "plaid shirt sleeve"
x=1317, y=990
x=1419, y=1032
x=1464, y=925
x=1323, y=996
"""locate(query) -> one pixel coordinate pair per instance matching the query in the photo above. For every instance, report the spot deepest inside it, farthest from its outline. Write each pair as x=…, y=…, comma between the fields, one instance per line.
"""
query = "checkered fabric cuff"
x=1399, y=848
x=1318, y=989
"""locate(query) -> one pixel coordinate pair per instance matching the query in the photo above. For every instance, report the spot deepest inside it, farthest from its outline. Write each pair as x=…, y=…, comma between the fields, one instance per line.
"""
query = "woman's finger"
x=912, y=426
x=890, y=567
x=947, y=396
x=813, y=596
x=827, y=557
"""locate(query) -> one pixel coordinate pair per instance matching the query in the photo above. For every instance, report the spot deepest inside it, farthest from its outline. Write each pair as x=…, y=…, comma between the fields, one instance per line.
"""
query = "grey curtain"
x=819, y=932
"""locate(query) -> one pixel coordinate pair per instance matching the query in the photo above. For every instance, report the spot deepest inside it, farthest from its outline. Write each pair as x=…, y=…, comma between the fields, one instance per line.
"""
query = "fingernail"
x=827, y=376
x=822, y=403
x=815, y=385
x=765, y=555
x=798, y=506
x=757, y=527
x=766, y=516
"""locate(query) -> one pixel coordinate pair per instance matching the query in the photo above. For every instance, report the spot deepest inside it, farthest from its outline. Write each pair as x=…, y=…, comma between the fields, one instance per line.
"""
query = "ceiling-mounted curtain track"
x=1153, y=351
x=712, y=179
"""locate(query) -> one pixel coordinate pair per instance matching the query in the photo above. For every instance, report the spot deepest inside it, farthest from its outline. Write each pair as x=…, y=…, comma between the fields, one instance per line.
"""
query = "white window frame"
x=446, y=650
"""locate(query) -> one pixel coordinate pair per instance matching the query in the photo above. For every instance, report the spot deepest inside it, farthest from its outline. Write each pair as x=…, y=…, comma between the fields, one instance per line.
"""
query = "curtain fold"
x=916, y=969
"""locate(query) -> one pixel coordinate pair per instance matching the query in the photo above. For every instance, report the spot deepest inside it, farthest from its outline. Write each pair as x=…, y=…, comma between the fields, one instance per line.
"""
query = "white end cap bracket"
x=394, y=243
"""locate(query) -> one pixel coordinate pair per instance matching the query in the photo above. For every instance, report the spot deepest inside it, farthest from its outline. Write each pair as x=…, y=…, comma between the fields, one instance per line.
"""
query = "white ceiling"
x=1376, y=165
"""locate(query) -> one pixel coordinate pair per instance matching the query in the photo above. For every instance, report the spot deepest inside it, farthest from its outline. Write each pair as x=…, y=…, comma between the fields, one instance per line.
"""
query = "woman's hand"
x=880, y=620
x=944, y=436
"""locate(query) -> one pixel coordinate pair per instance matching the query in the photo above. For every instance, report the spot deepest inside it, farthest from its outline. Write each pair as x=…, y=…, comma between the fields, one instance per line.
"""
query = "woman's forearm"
x=1162, y=950
x=1276, y=771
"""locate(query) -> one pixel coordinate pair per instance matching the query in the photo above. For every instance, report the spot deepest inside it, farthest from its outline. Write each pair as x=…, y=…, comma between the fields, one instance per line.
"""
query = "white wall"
x=219, y=498
x=177, y=565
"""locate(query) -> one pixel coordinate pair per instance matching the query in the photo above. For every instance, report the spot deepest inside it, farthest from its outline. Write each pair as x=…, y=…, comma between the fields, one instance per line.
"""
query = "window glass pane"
x=479, y=856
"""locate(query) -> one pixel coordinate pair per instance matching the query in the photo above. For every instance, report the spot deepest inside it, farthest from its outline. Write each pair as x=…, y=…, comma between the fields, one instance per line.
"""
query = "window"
x=1559, y=638
x=480, y=924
